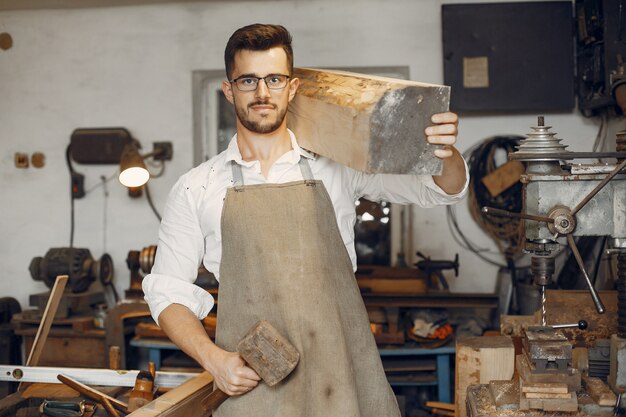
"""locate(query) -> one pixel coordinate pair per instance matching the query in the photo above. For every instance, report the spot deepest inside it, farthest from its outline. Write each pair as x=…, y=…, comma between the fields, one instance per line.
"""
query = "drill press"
x=564, y=200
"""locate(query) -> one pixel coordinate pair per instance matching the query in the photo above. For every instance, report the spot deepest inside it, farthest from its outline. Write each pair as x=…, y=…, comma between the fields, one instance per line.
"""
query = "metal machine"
x=82, y=269
x=563, y=200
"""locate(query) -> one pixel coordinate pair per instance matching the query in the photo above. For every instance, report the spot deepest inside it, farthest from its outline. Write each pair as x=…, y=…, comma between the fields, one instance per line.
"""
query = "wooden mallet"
x=267, y=352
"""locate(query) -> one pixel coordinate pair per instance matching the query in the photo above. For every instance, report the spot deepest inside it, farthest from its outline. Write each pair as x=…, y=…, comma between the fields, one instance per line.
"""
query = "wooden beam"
x=46, y=320
x=182, y=401
x=371, y=124
x=92, y=393
x=599, y=391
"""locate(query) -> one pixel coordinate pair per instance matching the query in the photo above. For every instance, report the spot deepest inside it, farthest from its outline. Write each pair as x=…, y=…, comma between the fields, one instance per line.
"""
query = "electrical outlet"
x=38, y=159
x=21, y=160
x=164, y=151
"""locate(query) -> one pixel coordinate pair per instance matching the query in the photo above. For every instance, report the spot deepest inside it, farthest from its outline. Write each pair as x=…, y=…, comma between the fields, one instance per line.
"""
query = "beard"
x=259, y=126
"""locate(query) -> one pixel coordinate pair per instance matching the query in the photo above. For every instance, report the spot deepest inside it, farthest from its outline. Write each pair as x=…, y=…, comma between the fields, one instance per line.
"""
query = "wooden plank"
x=392, y=286
x=556, y=388
x=443, y=406
x=599, y=391
x=371, y=124
x=547, y=395
x=92, y=393
x=46, y=321
x=569, y=404
x=478, y=361
x=182, y=401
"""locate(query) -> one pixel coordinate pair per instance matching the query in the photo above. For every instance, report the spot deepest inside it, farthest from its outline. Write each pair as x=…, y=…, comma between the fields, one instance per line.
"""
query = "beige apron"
x=283, y=260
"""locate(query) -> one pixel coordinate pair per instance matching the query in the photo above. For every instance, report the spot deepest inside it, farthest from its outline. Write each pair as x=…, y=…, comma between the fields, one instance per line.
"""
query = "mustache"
x=262, y=103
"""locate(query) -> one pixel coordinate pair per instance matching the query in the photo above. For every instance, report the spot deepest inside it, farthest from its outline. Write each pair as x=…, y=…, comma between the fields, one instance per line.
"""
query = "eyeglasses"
x=273, y=82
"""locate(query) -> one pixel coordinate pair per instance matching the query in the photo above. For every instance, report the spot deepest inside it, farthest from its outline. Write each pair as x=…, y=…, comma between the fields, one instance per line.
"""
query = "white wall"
x=131, y=67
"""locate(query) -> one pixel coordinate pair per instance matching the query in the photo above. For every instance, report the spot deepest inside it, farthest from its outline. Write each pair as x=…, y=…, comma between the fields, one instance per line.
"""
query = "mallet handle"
x=214, y=399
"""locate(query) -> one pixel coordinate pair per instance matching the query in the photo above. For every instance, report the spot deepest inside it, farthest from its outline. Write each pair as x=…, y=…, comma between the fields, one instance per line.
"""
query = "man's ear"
x=227, y=89
x=294, y=83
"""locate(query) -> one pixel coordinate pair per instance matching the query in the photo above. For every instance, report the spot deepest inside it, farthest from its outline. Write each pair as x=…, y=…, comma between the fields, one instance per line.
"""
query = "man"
x=274, y=223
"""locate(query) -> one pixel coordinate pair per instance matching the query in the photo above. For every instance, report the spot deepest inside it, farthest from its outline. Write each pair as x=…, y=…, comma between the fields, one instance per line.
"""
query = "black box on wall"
x=504, y=57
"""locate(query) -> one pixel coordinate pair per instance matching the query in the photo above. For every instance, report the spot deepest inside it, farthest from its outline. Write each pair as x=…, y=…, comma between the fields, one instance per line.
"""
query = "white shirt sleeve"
x=179, y=254
x=405, y=189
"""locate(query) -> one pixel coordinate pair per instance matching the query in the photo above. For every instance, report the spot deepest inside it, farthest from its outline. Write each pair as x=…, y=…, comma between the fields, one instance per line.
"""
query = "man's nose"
x=261, y=89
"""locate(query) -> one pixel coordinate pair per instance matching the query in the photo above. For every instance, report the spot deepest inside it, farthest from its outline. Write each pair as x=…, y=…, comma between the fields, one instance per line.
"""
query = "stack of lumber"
x=547, y=380
x=547, y=397
x=599, y=391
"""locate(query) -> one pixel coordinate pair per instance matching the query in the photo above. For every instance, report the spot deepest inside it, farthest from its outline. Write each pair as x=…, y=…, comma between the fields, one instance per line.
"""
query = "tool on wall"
x=436, y=268
x=82, y=269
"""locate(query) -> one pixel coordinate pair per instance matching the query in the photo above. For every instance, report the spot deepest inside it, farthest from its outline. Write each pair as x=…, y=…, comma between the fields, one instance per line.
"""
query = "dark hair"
x=257, y=37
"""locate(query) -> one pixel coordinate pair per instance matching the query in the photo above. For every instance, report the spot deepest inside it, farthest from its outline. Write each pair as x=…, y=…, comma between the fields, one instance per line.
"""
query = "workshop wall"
x=131, y=67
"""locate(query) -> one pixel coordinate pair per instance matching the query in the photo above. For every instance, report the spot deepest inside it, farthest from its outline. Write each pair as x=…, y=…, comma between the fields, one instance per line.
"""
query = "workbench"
x=441, y=378
x=436, y=375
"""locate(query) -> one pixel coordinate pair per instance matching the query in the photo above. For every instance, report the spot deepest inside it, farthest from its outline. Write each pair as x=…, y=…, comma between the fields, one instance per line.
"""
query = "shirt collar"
x=293, y=156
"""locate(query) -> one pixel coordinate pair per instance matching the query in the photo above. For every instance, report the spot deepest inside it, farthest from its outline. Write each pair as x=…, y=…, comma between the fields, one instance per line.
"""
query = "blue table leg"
x=155, y=356
x=443, y=378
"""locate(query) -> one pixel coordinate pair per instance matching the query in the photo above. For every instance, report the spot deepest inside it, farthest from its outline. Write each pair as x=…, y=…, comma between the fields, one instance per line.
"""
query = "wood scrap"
x=569, y=404
x=480, y=360
x=599, y=391
x=443, y=406
x=538, y=387
x=504, y=393
x=547, y=395
x=503, y=177
x=48, y=316
x=443, y=409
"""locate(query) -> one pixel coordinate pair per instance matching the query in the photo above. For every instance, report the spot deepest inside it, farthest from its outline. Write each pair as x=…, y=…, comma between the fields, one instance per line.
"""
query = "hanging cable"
x=156, y=213
x=458, y=235
x=508, y=234
x=72, y=172
x=105, y=197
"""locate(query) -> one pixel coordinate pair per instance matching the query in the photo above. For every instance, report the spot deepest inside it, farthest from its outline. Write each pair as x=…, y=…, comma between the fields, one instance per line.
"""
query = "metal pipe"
x=594, y=295
x=504, y=213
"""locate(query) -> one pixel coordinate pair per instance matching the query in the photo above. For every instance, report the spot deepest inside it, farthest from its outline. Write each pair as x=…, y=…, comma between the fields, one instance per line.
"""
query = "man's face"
x=262, y=110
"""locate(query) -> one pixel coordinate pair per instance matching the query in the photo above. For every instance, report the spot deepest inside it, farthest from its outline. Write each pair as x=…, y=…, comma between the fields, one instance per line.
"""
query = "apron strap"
x=305, y=169
x=237, y=175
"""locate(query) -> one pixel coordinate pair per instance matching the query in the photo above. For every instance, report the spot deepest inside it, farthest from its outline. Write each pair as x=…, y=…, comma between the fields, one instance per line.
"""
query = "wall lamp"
x=133, y=172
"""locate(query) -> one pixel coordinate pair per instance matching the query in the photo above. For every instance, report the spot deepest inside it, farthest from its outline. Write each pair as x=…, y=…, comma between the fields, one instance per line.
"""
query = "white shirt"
x=190, y=230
